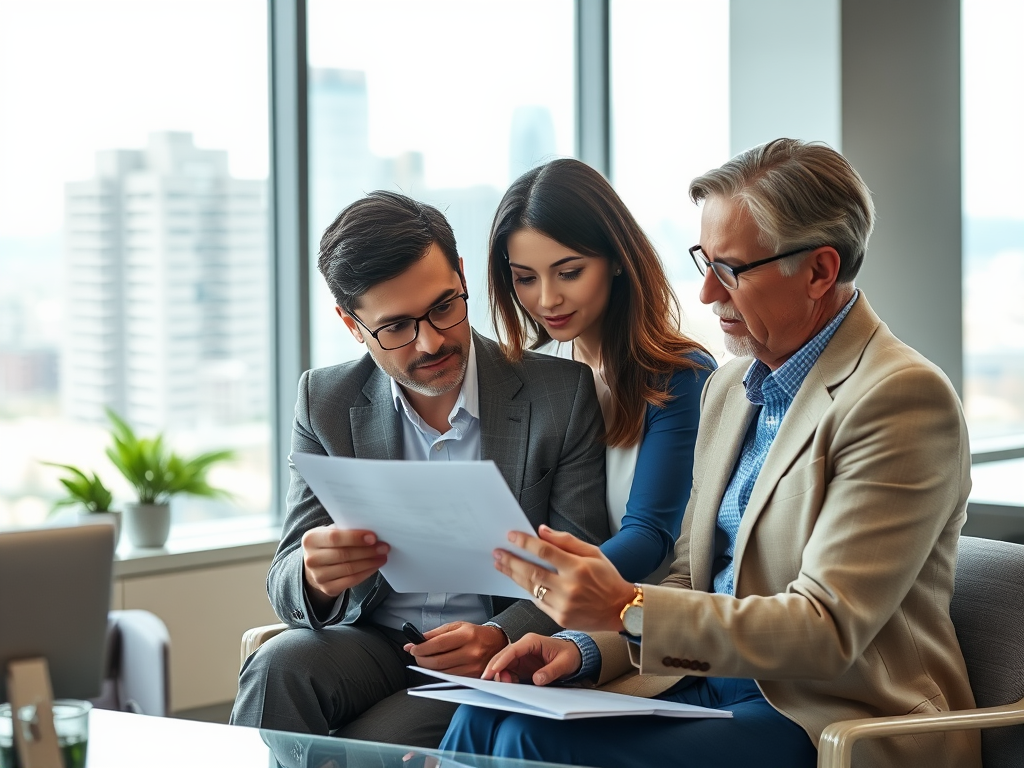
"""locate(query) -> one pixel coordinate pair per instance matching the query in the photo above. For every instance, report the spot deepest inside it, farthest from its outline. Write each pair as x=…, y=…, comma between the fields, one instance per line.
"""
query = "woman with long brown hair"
x=571, y=273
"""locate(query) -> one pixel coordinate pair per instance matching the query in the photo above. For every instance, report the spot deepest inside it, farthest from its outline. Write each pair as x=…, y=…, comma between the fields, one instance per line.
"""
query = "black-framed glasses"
x=730, y=276
x=441, y=317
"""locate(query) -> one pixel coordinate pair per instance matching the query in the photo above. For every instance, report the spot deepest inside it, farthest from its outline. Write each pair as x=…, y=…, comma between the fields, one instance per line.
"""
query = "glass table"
x=122, y=740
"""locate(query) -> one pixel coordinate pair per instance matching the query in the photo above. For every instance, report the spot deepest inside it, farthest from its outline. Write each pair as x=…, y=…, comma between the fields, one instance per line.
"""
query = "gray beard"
x=740, y=346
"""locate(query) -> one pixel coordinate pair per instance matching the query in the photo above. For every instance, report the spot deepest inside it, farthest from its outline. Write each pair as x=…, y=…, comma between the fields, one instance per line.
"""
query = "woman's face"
x=565, y=291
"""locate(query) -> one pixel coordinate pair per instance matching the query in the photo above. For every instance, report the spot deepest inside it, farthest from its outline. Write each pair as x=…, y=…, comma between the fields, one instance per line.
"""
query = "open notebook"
x=553, y=702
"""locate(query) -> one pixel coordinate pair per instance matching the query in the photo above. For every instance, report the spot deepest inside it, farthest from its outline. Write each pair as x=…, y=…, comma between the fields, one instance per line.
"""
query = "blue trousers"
x=755, y=735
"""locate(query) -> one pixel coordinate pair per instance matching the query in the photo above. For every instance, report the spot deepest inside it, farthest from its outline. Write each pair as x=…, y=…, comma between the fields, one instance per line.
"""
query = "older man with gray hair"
x=814, y=571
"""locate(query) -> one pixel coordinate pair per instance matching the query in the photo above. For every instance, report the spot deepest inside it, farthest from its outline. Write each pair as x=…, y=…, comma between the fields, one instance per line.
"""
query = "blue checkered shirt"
x=773, y=391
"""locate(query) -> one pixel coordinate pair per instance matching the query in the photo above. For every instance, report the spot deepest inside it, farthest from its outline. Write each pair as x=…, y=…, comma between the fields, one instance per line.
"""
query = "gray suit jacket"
x=539, y=422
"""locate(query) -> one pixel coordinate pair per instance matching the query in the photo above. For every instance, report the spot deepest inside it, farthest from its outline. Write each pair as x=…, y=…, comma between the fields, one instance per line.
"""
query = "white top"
x=620, y=463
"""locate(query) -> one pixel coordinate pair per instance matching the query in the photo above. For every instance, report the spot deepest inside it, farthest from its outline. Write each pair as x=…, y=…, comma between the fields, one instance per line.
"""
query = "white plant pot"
x=147, y=525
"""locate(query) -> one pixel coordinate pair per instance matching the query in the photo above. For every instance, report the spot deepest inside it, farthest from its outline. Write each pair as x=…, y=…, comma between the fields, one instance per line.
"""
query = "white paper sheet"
x=443, y=520
x=551, y=702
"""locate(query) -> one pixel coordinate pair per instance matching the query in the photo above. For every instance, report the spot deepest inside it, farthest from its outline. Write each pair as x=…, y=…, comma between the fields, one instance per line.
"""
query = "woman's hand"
x=585, y=590
x=535, y=657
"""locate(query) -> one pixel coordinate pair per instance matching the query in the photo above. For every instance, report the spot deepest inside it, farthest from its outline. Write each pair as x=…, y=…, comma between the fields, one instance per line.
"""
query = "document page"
x=552, y=702
x=442, y=520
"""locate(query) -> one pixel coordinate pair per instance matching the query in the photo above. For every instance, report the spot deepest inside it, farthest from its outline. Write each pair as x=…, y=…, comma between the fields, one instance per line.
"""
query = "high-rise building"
x=167, y=289
x=342, y=169
x=532, y=141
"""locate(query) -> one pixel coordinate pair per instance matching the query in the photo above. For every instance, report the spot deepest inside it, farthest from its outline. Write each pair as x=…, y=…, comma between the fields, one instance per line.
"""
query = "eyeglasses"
x=441, y=317
x=730, y=276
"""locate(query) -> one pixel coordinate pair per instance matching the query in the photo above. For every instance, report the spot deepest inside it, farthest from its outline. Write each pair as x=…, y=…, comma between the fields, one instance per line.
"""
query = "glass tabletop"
x=122, y=740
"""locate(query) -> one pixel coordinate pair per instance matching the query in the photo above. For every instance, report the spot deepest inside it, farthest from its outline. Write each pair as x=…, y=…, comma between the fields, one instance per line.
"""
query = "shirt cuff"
x=508, y=640
x=591, y=666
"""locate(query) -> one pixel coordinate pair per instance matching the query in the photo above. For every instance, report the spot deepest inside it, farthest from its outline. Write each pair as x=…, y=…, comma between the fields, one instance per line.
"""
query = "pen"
x=415, y=636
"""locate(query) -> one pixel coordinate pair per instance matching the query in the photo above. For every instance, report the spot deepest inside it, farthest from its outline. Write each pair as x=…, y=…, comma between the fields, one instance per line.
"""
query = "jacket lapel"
x=838, y=360
x=377, y=426
x=737, y=413
x=504, y=424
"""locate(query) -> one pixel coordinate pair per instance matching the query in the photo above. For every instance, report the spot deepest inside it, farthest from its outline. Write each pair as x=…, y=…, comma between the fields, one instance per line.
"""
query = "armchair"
x=988, y=614
x=136, y=666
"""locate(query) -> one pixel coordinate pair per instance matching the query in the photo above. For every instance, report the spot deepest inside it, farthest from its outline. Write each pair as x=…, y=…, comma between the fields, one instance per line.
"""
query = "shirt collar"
x=469, y=392
x=761, y=381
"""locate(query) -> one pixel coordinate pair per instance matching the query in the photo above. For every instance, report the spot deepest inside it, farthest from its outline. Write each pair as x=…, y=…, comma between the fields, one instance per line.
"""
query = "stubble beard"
x=432, y=387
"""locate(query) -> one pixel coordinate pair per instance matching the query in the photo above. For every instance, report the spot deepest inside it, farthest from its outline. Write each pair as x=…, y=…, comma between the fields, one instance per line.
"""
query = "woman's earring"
x=618, y=271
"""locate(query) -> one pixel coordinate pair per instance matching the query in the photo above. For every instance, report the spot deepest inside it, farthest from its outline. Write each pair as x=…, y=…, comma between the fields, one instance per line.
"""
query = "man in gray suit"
x=429, y=389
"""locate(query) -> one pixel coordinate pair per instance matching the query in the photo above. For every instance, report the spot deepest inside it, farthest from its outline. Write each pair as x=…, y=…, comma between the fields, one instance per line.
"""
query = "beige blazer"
x=845, y=556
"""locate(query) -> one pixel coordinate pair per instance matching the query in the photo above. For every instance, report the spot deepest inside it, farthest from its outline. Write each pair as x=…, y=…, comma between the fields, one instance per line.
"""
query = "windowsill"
x=995, y=509
x=990, y=449
x=201, y=545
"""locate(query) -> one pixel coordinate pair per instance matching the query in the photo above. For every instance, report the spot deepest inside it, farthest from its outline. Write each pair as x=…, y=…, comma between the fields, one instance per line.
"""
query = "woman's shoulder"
x=701, y=359
x=697, y=367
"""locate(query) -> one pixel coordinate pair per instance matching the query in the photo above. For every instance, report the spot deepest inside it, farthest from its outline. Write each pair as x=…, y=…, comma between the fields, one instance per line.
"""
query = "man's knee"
x=317, y=680
x=283, y=655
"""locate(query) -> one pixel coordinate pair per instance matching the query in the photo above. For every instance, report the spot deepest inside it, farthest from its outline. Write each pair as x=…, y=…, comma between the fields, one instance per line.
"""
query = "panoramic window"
x=133, y=243
x=993, y=222
x=670, y=124
x=448, y=106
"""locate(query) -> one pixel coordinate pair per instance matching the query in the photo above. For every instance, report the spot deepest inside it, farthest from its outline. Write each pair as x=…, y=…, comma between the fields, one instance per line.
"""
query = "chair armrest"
x=835, y=748
x=257, y=636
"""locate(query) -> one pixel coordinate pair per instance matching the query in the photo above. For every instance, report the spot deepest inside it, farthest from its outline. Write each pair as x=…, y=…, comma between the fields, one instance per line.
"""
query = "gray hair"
x=799, y=194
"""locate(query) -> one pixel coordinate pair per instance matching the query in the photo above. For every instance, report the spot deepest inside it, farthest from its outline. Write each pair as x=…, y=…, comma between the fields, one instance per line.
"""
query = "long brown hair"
x=641, y=345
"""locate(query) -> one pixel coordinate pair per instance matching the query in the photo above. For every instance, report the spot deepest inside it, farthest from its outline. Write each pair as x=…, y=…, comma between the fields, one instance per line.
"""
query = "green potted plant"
x=88, y=494
x=157, y=473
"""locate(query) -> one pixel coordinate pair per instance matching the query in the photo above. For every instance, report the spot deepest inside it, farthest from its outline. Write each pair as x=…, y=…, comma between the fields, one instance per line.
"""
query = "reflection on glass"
x=447, y=106
x=133, y=242
x=993, y=113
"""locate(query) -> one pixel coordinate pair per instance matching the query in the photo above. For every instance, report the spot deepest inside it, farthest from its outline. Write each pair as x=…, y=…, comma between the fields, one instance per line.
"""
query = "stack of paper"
x=555, y=703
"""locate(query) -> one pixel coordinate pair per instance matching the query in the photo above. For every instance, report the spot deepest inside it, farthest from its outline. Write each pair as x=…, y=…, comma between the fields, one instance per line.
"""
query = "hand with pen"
x=458, y=648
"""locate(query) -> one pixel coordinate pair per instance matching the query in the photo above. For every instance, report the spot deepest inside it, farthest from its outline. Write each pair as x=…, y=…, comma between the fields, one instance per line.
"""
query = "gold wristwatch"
x=632, y=613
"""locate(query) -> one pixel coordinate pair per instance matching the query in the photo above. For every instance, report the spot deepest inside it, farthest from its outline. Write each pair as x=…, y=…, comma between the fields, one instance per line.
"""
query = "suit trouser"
x=347, y=681
x=755, y=735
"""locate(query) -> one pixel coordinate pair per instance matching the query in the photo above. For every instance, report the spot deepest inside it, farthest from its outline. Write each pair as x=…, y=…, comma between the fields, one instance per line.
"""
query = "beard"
x=437, y=382
x=740, y=346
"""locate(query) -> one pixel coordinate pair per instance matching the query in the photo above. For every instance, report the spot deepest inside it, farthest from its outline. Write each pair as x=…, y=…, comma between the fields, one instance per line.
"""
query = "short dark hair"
x=377, y=238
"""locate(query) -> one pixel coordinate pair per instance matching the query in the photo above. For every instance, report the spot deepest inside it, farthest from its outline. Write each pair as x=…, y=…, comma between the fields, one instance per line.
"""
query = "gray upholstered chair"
x=988, y=613
x=136, y=667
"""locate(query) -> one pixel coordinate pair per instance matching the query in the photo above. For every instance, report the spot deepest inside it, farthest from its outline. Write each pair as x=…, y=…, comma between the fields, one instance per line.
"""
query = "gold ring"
x=539, y=591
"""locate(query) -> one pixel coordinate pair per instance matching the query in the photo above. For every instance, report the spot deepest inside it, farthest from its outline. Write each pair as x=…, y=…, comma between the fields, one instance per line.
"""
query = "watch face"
x=633, y=620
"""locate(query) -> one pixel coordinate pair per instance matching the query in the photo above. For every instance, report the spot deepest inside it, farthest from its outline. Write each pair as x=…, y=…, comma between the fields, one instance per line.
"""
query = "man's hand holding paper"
x=335, y=559
x=581, y=589
x=438, y=542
